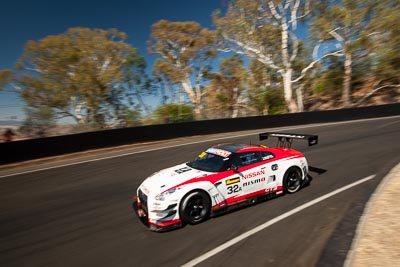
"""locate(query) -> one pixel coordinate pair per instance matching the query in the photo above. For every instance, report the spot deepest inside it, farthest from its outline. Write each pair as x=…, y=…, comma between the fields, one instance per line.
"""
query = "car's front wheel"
x=195, y=207
x=292, y=180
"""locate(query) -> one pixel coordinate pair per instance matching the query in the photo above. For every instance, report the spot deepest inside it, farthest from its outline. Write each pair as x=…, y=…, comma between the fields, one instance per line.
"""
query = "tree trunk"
x=287, y=88
x=78, y=111
x=347, y=79
x=194, y=98
x=197, y=111
x=235, y=107
x=299, y=94
x=142, y=104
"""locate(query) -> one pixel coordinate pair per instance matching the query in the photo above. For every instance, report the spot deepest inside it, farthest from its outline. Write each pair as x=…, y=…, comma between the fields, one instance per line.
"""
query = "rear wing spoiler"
x=285, y=139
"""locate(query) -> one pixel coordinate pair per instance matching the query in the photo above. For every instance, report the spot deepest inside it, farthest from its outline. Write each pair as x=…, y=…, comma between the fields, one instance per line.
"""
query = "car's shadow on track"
x=317, y=170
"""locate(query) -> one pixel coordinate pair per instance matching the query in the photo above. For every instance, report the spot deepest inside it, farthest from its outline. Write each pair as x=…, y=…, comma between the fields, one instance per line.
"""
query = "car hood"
x=167, y=178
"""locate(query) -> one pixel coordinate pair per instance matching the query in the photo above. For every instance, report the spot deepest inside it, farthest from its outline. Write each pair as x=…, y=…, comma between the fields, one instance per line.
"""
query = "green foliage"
x=182, y=45
x=386, y=45
x=186, y=50
x=264, y=94
x=226, y=88
x=242, y=30
x=95, y=77
x=347, y=24
x=329, y=80
x=129, y=117
x=78, y=74
x=267, y=31
x=136, y=80
x=275, y=101
x=38, y=122
x=173, y=113
x=5, y=77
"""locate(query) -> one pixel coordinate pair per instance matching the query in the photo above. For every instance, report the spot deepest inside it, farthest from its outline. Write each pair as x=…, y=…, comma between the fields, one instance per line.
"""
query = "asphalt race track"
x=81, y=215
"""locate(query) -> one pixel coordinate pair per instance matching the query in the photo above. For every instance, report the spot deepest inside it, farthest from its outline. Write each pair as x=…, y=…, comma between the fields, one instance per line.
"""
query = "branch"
x=240, y=105
x=32, y=69
x=306, y=11
x=373, y=92
x=336, y=35
x=188, y=88
x=373, y=33
x=64, y=114
x=263, y=58
x=199, y=77
x=287, y=5
x=16, y=88
x=338, y=53
x=273, y=11
x=225, y=50
x=295, y=50
x=315, y=50
x=105, y=65
x=293, y=15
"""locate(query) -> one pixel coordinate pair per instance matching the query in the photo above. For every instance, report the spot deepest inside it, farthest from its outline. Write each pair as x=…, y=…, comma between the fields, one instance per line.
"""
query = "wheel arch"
x=297, y=168
x=204, y=186
x=194, y=190
x=187, y=194
x=297, y=165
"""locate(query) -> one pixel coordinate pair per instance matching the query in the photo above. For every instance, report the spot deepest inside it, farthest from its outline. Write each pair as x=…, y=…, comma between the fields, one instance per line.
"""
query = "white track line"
x=190, y=143
x=271, y=222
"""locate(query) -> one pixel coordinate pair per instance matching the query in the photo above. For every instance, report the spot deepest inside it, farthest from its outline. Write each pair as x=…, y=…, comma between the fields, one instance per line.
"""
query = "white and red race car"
x=221, y=177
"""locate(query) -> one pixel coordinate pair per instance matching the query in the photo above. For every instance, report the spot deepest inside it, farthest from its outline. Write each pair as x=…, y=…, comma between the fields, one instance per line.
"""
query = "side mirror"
x=235, y=168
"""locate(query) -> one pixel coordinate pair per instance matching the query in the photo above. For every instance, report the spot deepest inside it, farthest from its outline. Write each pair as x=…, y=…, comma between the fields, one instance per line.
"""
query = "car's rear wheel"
x=292, y=180
x=195, y=207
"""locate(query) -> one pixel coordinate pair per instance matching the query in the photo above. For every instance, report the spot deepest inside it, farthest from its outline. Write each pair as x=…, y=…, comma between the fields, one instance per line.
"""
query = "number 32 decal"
x=233, y=189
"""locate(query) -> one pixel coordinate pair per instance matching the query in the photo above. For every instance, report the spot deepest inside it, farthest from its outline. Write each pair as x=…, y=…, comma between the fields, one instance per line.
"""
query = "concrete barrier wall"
x=51, y=146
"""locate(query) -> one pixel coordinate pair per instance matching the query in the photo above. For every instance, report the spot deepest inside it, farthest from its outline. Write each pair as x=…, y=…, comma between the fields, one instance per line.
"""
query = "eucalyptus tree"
x=77, y=74
x=386, y=44
x=136, y=82
x=226, y=89
x=264, y=95
x=173, y=113
x=345, y=24
x=186, y=50
x=168, y=89
x=5, y=76
x=268, y=31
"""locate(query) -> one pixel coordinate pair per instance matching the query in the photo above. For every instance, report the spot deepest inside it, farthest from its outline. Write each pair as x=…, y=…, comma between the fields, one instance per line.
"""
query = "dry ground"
x=377, y=241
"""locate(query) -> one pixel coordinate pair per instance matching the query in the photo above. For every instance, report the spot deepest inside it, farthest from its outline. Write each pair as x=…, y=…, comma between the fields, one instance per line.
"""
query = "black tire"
x=292, y=180
x=195, y=207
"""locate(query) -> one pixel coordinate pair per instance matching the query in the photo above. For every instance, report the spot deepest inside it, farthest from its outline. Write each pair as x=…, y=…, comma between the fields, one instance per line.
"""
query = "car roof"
x=238, y=148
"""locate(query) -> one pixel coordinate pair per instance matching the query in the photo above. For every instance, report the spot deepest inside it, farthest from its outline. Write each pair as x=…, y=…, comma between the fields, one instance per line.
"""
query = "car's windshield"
x=209, y=162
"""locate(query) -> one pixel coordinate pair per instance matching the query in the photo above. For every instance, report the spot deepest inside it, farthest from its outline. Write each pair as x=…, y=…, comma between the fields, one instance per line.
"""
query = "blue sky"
x=21, y=21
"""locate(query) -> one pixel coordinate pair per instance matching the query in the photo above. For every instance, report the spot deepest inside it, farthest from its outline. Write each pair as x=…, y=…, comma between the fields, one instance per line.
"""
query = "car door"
x=258, y=172
x=230, y=187
x=252, y=173
x=271, y=171
x=241, y=177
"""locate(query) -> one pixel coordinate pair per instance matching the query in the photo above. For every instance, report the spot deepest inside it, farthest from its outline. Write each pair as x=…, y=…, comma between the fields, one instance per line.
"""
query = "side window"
x=245, y=159
x=266, y=155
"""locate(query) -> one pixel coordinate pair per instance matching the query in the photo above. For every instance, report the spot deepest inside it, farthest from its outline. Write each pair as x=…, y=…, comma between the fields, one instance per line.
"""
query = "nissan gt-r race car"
x=221, y=177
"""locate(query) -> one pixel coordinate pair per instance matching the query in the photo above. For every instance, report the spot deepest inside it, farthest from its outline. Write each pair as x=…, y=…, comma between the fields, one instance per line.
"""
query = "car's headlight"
x=162, y=196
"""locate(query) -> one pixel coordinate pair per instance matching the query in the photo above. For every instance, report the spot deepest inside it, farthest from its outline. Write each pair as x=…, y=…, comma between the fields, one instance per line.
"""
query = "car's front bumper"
x=159, y=219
